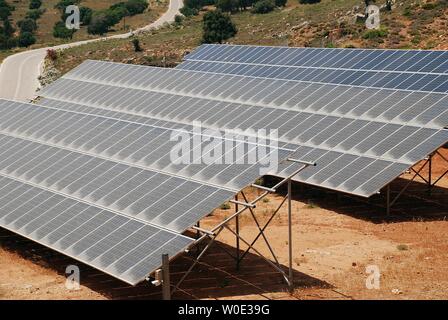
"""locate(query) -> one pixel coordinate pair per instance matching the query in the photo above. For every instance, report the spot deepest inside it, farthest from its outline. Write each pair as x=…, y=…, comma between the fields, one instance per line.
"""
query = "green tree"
x=227, y=5
x=99, y=23
x=85, y=15
x=309, y=1
x=27, y=25
x=280, y=3
x=189, y=12
x=217, y=27
x=34, y=14
x=8, y=29
x=194, y=4
x=263, y=6
x=26, y=39
x=61, y=31
x=136, y=6
x=35, y=4
x=5, y=13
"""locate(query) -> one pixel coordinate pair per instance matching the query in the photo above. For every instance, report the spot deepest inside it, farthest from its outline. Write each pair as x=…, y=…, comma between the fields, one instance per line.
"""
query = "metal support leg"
x=291, y=279
x=388, y=199
x=237, y=227
x=430, y=174
x=166, y=284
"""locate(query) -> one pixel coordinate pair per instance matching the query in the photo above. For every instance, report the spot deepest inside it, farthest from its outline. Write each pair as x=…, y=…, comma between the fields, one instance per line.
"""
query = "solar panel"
x=126, y=248
x=413, y=61
x=386, y=130
x=104, y=190
x=392, y=69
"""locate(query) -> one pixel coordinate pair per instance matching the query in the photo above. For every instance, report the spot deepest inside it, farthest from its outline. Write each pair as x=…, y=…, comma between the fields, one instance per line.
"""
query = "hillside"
x=416, y=24
x=51, y=15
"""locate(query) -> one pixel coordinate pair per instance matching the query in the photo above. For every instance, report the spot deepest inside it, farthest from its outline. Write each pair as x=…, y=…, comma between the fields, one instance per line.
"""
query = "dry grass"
x=44, y=34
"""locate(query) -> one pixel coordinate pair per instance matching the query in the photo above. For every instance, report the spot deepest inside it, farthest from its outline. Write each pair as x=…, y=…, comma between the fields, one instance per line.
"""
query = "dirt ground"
x=334, y=239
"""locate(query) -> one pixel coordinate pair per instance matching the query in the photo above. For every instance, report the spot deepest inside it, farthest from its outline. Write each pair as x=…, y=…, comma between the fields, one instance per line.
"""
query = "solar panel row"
x=335, y=170
x=116, y=244
x=121, y=165
x=374, y=79
x=412, y=61
x=383, y=146
x=104, y=191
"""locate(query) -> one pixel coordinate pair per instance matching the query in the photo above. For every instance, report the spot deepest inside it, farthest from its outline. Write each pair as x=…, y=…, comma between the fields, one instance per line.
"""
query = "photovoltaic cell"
x=97, y=237
x=393, y=69
x=104, y=190
x=366, y=123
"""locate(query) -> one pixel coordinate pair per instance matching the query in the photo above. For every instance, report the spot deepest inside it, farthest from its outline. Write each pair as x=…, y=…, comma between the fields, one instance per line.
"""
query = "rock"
x=300, y=26
x=396, y=291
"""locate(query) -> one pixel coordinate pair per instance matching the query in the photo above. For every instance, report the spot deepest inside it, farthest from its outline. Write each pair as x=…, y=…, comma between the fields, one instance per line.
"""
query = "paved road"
x=19, y=73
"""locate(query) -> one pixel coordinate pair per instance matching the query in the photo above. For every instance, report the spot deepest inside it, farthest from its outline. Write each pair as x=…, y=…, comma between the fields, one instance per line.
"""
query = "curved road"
x=19, y=73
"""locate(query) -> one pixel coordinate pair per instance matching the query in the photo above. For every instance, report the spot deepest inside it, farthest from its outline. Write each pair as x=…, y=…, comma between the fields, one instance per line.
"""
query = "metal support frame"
x=417, y=173
x=212, y=234
x=237, y=227
x=166, y=284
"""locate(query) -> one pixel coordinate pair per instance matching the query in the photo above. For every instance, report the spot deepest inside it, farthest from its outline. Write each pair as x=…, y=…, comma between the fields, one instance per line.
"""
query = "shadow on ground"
x=214, y=278
x=415, y=203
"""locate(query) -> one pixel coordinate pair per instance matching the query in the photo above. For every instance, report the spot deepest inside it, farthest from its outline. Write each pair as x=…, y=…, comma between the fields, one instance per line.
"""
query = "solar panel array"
x=362, y=138
x=414, y=70
x=104, y=190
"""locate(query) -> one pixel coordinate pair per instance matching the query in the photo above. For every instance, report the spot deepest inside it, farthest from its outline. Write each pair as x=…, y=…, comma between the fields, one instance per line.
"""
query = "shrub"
x=136, y=6
x=34, y=14
x=99, y=23
x=52, y=55
x=62, y=4
x=225, y=206
x=35, y=4
x=263, y=6
x=26, y=39
x=61, y=31
x=227, y=5
x=27, y=25
x=85, y=15
x=194, y=4
x=217, y=27
x=178, y=19
x=308, y=1
x=8, y=29
x=375, y=33
x=189, y=12
x=280, y=3
x=136, y=44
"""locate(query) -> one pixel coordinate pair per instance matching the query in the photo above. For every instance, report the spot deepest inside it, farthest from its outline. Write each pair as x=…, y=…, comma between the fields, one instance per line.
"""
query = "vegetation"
x=35, y=4
x=324, y=24
x=26, y=39
x=375, y=33
x=7, y=40
x=136, y=44
x=217, y=27
x=61, y=31
x=225, y=206
x=263, y=6
x=27, y=25
x=102, y=21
